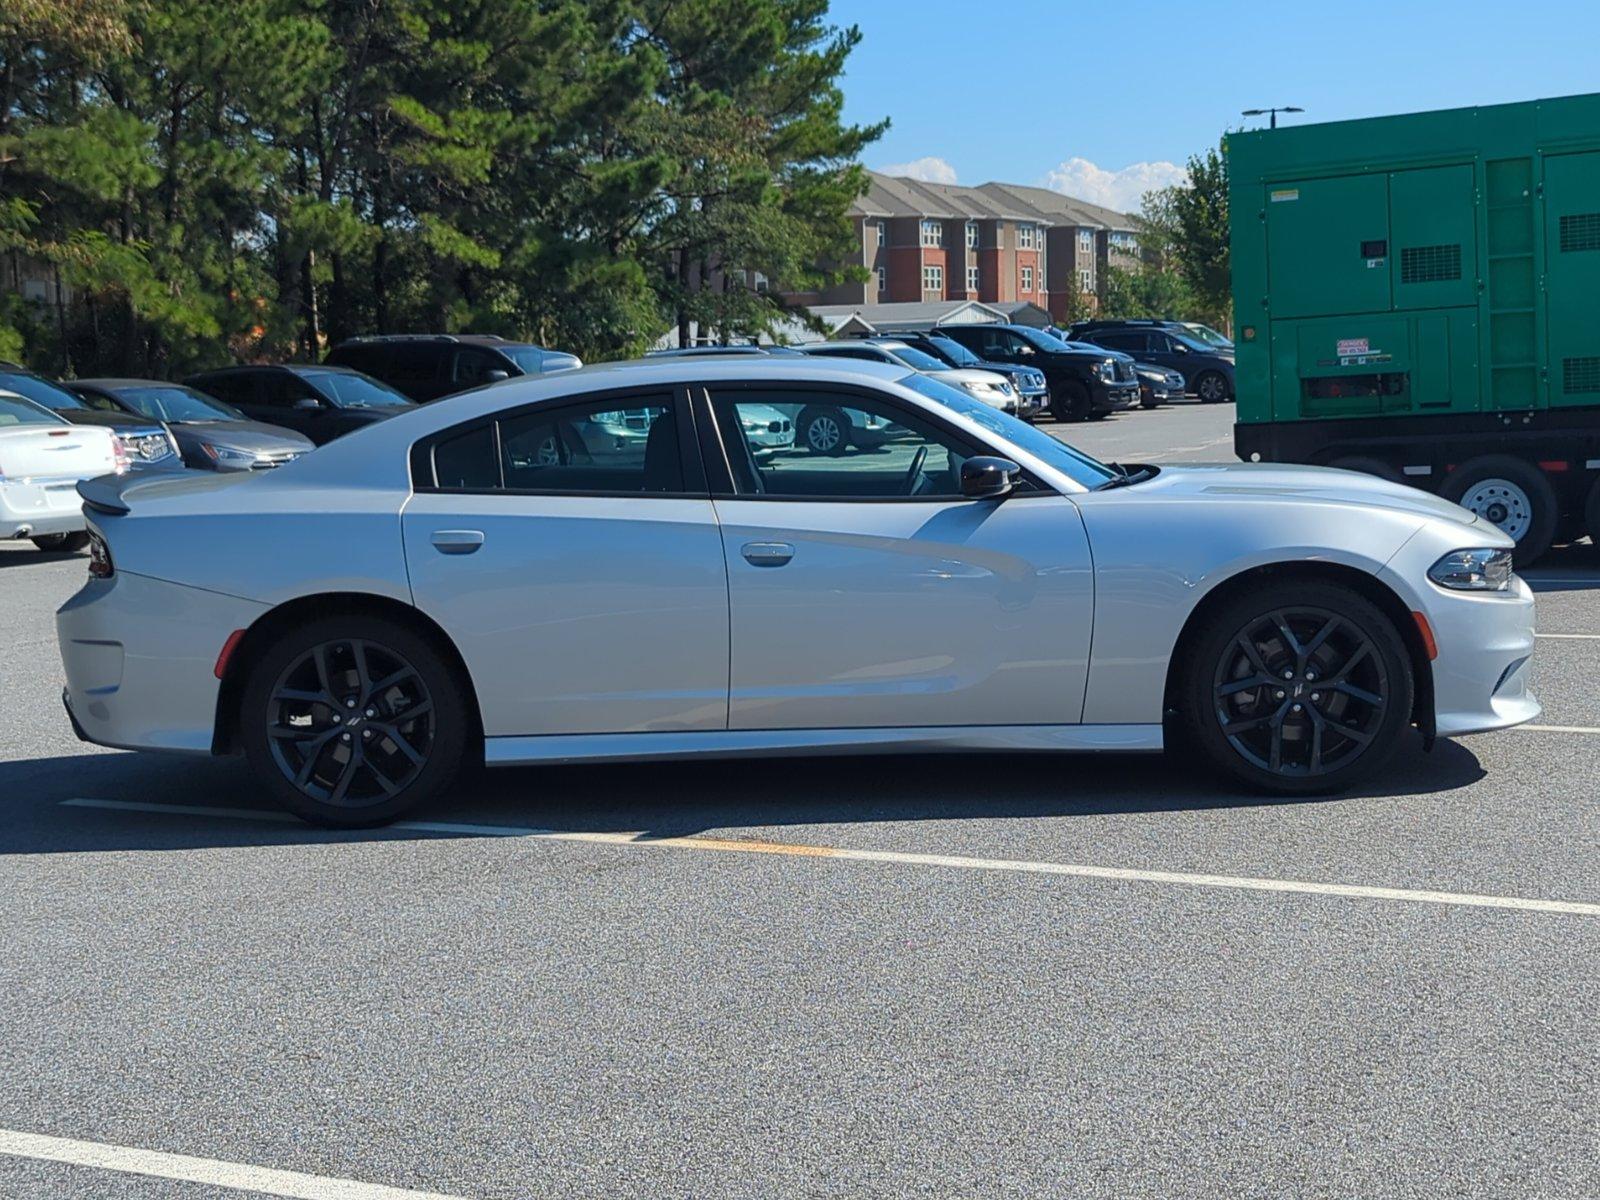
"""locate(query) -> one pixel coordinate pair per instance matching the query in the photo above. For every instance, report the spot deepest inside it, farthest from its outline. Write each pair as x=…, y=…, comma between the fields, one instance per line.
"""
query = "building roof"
x=896, y=196
x=909, y=314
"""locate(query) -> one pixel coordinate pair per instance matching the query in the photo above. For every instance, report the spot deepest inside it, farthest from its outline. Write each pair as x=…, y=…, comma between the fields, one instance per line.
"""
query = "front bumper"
x=1485, y=642
x=139, y=656
x=1114, y=397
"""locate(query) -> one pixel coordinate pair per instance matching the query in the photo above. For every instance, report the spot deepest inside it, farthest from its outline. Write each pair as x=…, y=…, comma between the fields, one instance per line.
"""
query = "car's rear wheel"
x=1211, y=387
x=1511, y=494
x=61, y=543
x=1297, y=688
x=352, y=720
x=825, y=431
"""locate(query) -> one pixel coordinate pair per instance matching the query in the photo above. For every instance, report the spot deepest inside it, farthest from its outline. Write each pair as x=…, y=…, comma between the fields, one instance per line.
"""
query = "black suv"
x=1084, y=384
x=1207, y=369
x=320, y=402
x=426, y=366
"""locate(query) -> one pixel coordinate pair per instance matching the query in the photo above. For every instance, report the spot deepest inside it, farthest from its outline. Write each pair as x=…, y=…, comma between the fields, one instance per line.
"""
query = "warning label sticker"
x=1282, y=194
x=1351, y=347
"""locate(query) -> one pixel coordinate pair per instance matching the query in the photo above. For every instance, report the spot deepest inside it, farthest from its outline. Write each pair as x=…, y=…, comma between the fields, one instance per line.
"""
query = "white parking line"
x=1559, y=728
x=1569, y=637
x=905, y=858
x=240, y=1176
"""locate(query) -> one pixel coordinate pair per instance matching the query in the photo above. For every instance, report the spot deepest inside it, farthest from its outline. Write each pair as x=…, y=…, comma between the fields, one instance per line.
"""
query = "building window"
x=972, y=279
x=1086, y=241
x=883, y=280
x=1025, y=237
x=972, y=235
x=761, y=283
x=1085, y=280
x=883, y=233
x=932, y=233
x=933, y=279
x=1027, y=279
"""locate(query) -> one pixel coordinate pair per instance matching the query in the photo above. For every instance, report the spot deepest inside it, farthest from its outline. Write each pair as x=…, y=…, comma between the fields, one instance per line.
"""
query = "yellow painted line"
x=242, y=1177
x=902, y=858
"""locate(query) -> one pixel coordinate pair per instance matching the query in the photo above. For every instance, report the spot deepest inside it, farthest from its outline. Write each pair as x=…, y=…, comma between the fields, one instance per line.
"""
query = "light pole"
x=1261, y=112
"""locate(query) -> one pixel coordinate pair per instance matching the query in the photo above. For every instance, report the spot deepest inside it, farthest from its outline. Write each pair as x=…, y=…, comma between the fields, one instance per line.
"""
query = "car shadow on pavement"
x=20, y=557
x=656, y=799
x=1571, y=568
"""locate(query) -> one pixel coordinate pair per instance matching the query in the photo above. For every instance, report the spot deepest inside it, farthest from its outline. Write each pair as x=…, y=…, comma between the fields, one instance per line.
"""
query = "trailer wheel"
x=1507, y=492
x=1369, y=466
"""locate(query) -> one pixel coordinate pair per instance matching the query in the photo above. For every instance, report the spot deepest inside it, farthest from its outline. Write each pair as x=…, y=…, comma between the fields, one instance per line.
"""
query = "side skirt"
x=735, y=743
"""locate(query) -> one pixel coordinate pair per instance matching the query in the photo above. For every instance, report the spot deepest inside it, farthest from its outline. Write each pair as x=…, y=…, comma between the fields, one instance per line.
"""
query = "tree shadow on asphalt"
x=657, y=799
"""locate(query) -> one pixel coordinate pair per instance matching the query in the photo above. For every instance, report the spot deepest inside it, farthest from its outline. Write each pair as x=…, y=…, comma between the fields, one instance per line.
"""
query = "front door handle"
x=767, y=554
x=457, y=541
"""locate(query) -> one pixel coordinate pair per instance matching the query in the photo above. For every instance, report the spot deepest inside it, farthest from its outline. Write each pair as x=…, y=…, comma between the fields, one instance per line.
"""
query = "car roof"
x=490, y=340
x=111, y=384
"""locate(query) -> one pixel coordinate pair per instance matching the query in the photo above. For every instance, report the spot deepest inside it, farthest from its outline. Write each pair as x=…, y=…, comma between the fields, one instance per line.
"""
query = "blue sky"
x=1170, y=77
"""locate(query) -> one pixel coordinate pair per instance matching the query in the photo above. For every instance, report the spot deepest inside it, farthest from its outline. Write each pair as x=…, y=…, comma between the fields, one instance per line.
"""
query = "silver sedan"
x=434, y=590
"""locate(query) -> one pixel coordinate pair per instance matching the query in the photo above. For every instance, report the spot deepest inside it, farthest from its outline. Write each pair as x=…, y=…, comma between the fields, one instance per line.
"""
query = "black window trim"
x=719, y=469
x=694, y=476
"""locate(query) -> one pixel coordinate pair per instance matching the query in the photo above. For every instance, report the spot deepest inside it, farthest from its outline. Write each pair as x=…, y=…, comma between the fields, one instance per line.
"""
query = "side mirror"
x=986, y=477
x=1179, y=348
x=496, y=375
x=308, y=404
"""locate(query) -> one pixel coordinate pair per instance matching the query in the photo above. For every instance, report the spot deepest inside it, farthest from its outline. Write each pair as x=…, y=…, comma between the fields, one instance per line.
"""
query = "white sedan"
x=364, y=622
x=42, y=459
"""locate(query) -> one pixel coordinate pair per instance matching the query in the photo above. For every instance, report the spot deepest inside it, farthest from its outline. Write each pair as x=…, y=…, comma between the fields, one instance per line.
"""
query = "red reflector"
x=1426, y=630
x=1554, y=466
x=228, y=647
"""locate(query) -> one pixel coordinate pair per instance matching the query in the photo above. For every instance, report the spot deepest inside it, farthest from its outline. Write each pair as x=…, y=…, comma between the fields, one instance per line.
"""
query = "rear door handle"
x=457, y=541
x=767, y=554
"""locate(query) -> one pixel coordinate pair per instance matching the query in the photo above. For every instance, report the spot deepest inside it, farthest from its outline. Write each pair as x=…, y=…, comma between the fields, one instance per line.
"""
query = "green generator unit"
x=1418, y=297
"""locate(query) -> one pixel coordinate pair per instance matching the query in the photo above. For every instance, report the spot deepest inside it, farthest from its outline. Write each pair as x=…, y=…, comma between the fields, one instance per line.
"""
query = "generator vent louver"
x=1430, y=264
x=1580, y=231
x=1580, y=375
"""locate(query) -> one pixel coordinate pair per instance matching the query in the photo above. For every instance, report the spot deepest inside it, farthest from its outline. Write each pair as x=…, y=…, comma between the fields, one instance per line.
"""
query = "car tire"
x=1510, y=494
x=1212, y=388
x=1369, y=466
x=1591, y=514
x=1070, y=403
x=1236, y=707
x=1151, y=403
x=337, y=776
x=825, y=431
x=62, y=543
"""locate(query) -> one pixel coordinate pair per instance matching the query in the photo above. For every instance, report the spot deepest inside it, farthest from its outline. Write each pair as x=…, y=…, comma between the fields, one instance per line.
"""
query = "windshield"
x=1207, y=335
x=955, y=352
x=917, y=360
x=174, y=403
x=1078, y=467
x=14, y=410
x=1040, y=340
x=51, y=395
x=354, y=391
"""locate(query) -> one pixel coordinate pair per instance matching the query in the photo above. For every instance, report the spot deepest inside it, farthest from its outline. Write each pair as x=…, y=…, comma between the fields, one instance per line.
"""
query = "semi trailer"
x=1418, y=297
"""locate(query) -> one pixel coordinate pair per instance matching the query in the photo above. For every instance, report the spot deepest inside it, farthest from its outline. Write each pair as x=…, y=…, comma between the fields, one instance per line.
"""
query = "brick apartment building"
x=997, y=243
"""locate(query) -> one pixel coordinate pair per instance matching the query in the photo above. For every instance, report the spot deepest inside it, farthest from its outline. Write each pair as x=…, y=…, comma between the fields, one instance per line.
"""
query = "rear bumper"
x=139, y=656
x=33, y=509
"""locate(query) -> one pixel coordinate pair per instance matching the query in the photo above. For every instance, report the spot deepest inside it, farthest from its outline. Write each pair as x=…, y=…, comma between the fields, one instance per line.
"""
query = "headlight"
x=1106, y=370
x=227, y=456
x=1473, y=570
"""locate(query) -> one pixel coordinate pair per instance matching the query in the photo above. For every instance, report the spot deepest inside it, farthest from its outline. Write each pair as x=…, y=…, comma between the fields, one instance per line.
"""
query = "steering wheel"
x=914, y=473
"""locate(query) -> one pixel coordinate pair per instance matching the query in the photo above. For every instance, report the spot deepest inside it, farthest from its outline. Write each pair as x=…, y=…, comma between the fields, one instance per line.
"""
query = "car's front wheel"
x=352, y=720
x=1297, y=688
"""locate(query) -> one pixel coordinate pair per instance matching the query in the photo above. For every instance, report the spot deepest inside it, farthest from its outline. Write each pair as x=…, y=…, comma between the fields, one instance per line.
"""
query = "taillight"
x=100, y=566
x=119, y=455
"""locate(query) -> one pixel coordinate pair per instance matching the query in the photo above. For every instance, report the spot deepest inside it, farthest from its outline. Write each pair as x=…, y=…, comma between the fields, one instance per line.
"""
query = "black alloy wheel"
x=350, y=721
x=1297, y=688
x=1300, y=692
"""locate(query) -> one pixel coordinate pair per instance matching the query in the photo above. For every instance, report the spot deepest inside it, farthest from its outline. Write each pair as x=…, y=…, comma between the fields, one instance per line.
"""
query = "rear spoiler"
x=108, y=493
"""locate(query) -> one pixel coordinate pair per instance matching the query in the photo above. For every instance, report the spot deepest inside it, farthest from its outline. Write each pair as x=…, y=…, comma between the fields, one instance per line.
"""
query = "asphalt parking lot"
x=978, y=976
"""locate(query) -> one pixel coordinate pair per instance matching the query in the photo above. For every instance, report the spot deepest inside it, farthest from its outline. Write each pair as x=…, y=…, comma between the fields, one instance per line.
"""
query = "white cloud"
x=928, y=170
x=1121, y=190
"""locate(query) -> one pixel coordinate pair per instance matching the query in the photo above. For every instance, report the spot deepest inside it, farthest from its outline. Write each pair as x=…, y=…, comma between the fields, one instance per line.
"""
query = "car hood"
x=1273, y=481
x=963, y=375
x=243, y=435
x=111, y=420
